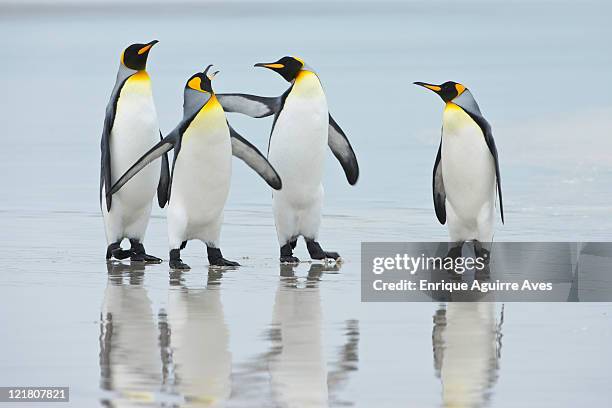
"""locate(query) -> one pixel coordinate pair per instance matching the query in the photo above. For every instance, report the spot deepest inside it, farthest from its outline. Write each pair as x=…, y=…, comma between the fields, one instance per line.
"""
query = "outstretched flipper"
x=342, y=149
x=164, y=179
x=163, y=147
x=250, y=105
x=260, y=107
x=248, y=153
x=439, y=194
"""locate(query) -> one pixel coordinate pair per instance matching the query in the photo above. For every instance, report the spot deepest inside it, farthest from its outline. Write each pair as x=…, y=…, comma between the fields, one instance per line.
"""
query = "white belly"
x=468, y=169
x=202, y=174
x=134, y=132
x=299, y=140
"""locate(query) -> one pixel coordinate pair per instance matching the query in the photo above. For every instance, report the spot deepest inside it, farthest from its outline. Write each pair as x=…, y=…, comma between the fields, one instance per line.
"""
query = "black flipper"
x=105, y=169
x=250, y=105
x=259, y=107
x=164, y=180
x=342, y=149
x=439, y=195
x=164, y=146
x=249, y=154
x=105, y=163
x=488, y=135
x=176, y=136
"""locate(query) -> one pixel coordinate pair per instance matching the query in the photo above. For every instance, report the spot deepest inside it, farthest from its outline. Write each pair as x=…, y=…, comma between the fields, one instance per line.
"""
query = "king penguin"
x=130, y=128
x=301, y=130
x=203, y=144
x=466, y=171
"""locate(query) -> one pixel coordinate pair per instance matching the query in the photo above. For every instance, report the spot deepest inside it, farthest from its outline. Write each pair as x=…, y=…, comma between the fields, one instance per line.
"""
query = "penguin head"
x=287, y=67
x=135, y=56
x=202, y=81
x=447, y=91
x=198, y=91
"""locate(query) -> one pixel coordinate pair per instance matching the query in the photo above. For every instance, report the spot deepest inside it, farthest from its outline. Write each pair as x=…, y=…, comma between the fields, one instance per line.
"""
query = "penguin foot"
x=215, y=258
x=482, y=252
x=289, y=260
x=121, y=253
x=332, y=255
x=145, y=258
x=316, y=252
x=176, y=262
x=223, y=262
x=286, y=253
x=139, y=254
x=112, y=247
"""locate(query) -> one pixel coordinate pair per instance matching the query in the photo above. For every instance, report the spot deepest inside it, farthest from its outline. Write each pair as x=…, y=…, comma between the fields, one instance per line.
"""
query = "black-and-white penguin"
x=466, y=172
x=302, y=130
x=130, y=128
x=203, y=144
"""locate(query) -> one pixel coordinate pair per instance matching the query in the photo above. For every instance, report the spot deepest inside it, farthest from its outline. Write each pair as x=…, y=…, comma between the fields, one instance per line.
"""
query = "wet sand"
x=263, y=335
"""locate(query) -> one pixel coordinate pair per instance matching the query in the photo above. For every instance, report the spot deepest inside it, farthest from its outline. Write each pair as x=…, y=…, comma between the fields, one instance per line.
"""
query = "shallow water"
x=267, y=336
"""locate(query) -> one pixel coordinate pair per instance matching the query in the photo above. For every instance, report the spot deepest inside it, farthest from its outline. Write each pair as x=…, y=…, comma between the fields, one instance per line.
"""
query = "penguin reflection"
x=346, y=363
x=467, y=347
x=297, y=364
x=199, y=342
x=130, y=362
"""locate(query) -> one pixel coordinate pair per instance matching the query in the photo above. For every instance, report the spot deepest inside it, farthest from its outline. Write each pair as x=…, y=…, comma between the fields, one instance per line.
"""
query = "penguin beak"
x=147, y=47
x=270, y=65
x=431, y=87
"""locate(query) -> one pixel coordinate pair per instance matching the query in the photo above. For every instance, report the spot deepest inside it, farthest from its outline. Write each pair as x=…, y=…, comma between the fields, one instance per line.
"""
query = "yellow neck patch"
x=452, y=106
x=140, y=76
x=302, y=75
x=210, y=117
x=212, y=106
x=456, y=120
x=212, y=103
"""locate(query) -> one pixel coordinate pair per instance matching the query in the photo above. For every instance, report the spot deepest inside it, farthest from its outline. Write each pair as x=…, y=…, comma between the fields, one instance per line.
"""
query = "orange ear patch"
x=195, y=84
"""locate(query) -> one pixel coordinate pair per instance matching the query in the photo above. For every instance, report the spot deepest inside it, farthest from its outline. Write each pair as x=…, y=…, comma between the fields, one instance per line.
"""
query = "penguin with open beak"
x=203, y=144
